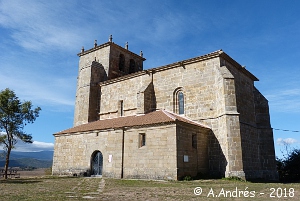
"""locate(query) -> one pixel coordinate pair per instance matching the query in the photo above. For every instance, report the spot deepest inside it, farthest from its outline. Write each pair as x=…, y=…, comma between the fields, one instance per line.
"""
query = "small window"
x=142, y=139
x=185, y=158
x=121, y=108
x=194, y=141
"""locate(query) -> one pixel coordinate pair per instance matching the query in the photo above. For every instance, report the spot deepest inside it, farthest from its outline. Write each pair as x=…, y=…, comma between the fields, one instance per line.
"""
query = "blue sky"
x=39, y=42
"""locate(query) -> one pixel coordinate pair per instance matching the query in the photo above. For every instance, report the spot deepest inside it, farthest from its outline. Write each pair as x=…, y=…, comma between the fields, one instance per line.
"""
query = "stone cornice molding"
x=218, y=53
x=109, y=44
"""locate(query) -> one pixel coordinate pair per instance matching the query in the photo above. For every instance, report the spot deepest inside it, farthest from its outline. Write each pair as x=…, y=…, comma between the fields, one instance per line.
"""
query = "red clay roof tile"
x=156, y=117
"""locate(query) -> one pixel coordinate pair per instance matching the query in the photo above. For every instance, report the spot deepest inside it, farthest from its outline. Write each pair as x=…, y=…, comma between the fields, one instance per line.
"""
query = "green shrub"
x=187, y=178
x=288, y=167
x=48, y=171
x=233, y=178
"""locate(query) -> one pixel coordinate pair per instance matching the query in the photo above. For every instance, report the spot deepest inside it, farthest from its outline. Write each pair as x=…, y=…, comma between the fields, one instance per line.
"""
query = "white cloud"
x=285, y=100
x=286, y=141
x=43, y=26
x=34, y=147
x=37, y=25
x=65, y=25
x=42, y=90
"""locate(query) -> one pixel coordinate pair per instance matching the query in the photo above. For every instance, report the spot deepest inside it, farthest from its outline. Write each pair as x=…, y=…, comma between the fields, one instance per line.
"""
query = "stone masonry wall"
x=92, y=69
x=155, y=160
x=101, y=56
x=99, y=64
x=215, y=92
x=265, y=133
x=72, y=153
x=208, y=96
x=126, y=90
x=197, y=81
x=218, y=145
x=254, y=112
x=249, y=134
x=114, y=71
x=82, y=97
x=191, y=161
x=146, y=100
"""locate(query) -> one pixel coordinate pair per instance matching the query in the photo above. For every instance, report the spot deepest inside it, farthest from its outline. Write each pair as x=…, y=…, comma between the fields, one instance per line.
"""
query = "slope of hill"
x=41, y=155
x=27, y=162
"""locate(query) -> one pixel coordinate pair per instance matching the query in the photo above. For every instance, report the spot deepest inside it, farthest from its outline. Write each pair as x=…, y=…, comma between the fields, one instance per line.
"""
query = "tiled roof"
x=156, y=117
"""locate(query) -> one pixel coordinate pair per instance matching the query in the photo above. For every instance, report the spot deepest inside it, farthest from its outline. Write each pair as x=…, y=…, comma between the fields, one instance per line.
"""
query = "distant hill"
x=27, y=162
x=41, y=159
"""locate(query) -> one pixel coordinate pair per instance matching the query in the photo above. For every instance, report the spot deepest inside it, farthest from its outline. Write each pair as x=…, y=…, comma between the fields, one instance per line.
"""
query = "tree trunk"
x=7, y=162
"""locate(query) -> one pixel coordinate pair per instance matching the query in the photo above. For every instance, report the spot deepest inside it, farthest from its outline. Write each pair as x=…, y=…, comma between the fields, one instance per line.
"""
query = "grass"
x=80, y=188
x=51, y=188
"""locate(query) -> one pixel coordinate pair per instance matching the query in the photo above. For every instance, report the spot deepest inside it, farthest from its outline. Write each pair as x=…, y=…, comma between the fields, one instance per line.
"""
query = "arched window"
x=122, y=63
x=178, y=101
x=132, y=66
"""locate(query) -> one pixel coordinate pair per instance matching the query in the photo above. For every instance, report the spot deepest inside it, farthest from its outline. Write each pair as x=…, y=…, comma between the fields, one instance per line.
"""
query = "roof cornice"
x=109, y=44
x=238, y=66
x=215, y=54
x=165, y=67
x=187, y=61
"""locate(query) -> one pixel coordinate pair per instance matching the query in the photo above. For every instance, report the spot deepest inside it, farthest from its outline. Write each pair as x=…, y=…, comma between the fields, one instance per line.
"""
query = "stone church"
x=199, y=116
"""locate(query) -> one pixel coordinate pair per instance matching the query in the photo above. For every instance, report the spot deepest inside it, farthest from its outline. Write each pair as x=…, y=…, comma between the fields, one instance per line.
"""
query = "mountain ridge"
x=41, y=155
x=40, y=159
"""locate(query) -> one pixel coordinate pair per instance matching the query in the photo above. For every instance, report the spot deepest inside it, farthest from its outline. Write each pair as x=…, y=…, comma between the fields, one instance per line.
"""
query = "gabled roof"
x=156, y=117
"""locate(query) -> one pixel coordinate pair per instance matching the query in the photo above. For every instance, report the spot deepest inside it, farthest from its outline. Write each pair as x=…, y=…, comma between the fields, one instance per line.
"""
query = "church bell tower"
x=99, y=64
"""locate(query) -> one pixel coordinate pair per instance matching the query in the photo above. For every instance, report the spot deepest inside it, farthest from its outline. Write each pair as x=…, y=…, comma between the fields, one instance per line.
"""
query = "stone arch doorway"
x=97, y=163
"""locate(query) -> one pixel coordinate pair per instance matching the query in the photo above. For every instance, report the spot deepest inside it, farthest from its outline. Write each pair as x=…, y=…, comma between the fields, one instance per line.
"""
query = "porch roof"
x=156, y=117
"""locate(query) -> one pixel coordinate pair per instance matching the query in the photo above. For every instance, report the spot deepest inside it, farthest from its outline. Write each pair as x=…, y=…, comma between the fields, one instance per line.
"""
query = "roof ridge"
x=169, y=114
x=133, y=115
x=186, y=118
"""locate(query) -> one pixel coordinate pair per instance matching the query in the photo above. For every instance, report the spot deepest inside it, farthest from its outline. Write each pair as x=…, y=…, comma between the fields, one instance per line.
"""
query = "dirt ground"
x=33, y=187
x=32, y=173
